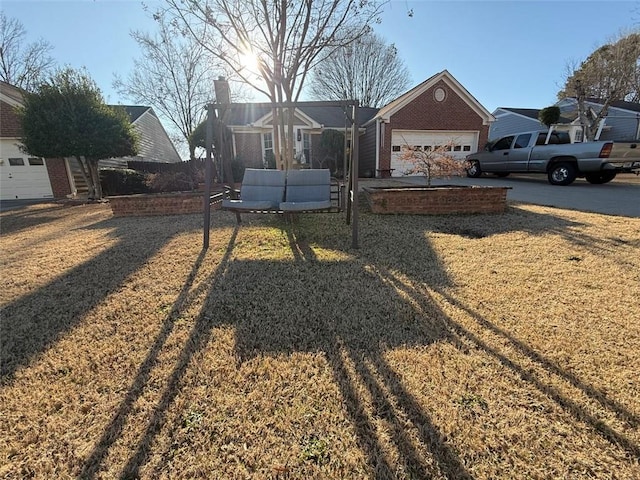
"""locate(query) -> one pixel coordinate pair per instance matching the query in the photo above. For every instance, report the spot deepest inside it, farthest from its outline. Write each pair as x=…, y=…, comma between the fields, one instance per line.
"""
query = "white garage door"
x=22, y=176
x=463, y=143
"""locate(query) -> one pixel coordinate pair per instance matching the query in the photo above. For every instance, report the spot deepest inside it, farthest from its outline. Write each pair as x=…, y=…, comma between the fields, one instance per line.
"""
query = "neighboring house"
x=23, y=175
x=26, y=177
x=154, y=145
x=438, y=111
x=621, y=123
x=252, y=129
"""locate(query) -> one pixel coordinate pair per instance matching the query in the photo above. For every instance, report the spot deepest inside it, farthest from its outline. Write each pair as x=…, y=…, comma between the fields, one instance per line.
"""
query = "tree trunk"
x=94, y=172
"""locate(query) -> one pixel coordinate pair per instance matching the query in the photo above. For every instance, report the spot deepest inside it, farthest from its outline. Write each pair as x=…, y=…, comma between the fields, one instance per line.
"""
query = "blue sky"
x=506, y=53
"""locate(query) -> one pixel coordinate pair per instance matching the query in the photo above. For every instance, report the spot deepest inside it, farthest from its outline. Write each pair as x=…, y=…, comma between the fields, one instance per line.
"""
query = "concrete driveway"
x=620, y=197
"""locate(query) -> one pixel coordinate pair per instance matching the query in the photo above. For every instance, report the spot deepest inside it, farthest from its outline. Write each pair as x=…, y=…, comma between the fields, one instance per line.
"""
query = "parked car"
x=553, y=153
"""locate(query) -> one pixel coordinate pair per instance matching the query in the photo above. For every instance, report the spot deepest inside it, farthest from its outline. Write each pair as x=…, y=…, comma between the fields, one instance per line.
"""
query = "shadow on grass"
x=198, y=337
x=353, y=311
x=32, y=323
x=24, y=219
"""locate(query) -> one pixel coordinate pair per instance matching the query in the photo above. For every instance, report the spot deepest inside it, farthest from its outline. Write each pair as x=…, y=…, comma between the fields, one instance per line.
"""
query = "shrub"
x=122, y=181
x=170, y=182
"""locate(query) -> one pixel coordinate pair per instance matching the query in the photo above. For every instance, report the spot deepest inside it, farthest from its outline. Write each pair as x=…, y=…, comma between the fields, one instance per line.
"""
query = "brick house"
x=23, y=176
x=435, y=112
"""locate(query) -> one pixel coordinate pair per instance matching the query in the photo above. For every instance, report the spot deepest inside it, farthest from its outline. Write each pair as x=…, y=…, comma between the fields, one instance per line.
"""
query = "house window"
x=457, y=148
x=395, y=148
x=577, y=136
x=36, y=161
x=267, y=146
x=306, y=146
x=16, y=162
x=466, y=148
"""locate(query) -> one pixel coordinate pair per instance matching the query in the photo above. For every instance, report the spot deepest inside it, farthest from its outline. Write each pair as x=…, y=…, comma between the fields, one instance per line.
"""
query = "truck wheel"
x=474, y=170
x=600, y=177
x=562, y=173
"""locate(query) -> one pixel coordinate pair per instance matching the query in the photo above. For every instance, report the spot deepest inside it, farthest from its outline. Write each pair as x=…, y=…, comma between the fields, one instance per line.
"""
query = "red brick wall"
x=58, y=177
x=9, y=121
x=249, y=149
x=435, y=201
x=157, y=204
x=425, y=113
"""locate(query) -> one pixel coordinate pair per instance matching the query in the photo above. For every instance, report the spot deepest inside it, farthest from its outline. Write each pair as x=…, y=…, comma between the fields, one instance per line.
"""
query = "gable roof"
x=134, y=111
x=525, y=112
x=243, y=114
x=532, y=114
x=11, y=94
x=388, y=110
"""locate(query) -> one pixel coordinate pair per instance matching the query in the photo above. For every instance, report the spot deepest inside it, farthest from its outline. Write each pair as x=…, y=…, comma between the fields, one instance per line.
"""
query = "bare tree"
x=610, y=73
x=368, y=70
x=273, y=44
x=174, y=75
x=23, y=65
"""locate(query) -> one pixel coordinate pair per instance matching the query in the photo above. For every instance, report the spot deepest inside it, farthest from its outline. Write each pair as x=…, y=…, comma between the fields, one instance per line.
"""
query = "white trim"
x=263, y=122
x=390, y=109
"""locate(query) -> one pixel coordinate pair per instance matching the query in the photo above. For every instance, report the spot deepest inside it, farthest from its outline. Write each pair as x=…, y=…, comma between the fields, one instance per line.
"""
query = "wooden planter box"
x=442, y=199
x=177, y=203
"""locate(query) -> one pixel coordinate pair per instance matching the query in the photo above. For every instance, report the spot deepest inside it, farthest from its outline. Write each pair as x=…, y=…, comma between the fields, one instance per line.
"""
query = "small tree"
x=431, y=163
x=549, y=115
x=67, y=117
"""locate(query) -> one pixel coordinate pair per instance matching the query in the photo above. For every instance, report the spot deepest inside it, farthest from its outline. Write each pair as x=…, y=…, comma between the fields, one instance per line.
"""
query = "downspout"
x=378, y=143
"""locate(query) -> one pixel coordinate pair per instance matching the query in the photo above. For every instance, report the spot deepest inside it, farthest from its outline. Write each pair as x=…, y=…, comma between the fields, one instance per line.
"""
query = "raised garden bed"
x=435, y=200
x=175, y=203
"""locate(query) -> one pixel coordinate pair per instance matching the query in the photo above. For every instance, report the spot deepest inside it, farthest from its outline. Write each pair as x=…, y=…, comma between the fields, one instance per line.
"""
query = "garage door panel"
x=464, y=143
x=21, y=176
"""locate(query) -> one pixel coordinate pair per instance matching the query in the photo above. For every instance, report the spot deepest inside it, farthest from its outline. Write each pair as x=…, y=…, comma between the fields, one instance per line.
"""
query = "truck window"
x=504, y=143
x=522, y=141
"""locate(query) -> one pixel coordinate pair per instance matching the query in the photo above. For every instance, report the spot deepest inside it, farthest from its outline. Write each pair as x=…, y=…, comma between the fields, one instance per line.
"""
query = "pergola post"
x=355, y=131
x=208, y=169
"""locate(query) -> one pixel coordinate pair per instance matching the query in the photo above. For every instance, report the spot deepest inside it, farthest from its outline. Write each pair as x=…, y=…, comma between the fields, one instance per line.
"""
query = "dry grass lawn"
x=496, y=346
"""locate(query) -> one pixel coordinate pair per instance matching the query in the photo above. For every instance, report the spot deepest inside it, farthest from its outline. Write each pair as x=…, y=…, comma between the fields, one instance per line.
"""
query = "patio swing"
x=286, y=192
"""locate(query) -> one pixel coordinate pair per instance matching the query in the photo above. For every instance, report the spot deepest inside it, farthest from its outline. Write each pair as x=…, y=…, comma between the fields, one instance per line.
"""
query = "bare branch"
x=22, y=65
x=367, y=70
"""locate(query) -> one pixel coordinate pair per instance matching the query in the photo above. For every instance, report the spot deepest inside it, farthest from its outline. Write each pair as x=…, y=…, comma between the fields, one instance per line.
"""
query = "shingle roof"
x=241, y=114
x=134, y=111
x=525, y=112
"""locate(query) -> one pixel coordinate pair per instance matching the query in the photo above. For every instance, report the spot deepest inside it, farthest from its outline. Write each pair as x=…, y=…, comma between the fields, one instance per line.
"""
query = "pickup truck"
x=554, y=154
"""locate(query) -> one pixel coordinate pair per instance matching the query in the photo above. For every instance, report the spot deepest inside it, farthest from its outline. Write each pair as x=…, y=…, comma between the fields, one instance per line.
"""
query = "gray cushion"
x=308, y=186
x=261, y=190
